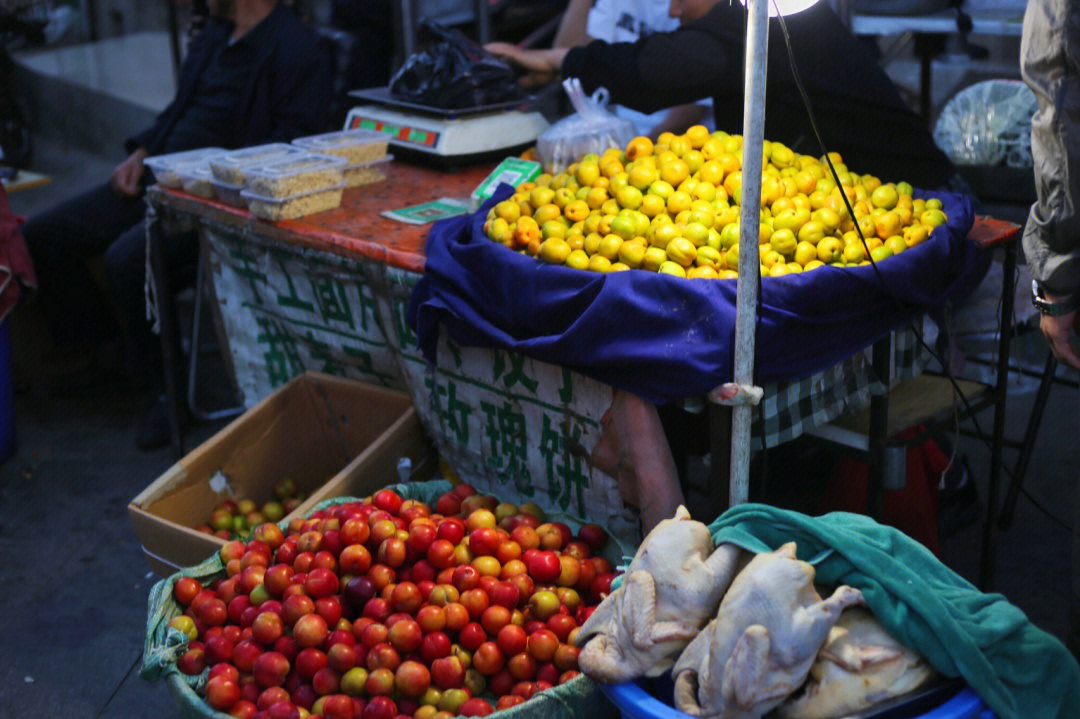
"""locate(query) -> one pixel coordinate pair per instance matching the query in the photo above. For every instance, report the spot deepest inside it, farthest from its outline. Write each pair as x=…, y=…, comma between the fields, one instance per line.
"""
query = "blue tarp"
x=666, y=338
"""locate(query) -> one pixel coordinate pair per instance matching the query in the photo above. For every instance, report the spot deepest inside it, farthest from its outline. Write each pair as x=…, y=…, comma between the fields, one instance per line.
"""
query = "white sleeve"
x=600, y=24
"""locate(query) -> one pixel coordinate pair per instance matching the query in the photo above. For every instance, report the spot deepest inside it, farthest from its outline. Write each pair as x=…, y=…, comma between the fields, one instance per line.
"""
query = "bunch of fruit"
x=234, y=518
x=389, y=609
x=674, y=207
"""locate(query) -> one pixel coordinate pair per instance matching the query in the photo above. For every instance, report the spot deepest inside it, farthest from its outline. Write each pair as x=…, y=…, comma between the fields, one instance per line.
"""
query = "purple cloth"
x=666, y=338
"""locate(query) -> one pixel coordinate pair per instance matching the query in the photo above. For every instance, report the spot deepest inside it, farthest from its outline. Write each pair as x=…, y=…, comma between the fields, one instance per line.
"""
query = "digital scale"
x=446, y=137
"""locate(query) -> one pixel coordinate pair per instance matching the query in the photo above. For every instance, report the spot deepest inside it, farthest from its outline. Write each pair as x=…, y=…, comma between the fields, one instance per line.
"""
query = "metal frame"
x=195, y=351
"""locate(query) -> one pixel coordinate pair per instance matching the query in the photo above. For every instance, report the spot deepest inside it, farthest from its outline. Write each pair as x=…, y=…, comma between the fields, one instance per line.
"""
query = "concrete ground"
x=73, y=614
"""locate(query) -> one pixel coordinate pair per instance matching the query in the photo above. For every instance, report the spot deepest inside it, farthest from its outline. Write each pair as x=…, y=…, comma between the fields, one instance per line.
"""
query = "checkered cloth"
x=790, y=408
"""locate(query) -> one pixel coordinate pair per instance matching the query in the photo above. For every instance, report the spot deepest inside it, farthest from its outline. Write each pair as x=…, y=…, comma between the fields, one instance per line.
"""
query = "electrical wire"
x=946, y=368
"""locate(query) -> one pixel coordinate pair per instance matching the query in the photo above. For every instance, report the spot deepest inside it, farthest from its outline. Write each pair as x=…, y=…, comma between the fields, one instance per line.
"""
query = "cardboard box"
x=334, y=437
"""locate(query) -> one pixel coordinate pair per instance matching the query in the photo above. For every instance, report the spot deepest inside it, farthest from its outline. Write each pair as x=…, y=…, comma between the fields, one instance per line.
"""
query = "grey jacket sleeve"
x=1050, y=64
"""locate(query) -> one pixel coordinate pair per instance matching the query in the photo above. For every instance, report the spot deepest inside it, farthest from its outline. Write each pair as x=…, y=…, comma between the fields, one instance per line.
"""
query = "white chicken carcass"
x=860, y=665
x=759, y=648
x=672, y=587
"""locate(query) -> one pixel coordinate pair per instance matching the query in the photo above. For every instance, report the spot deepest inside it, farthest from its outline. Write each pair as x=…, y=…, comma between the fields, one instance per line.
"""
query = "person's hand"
x=1058, y=331
x=125, y=178
x=541, y=65
x=634, y=451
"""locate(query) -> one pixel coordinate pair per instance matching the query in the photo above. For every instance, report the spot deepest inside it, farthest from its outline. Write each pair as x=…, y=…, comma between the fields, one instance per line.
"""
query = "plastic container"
x=226, y=192
x=165, y=167
x=365, y=173
x=195, y=180
x=635, y=702
x=357, y=146
x=296, y=176
x=293, y=206
x=230, y=170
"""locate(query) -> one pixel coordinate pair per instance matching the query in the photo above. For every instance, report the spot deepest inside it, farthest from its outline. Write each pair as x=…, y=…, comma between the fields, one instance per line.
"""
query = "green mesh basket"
x=580, y=697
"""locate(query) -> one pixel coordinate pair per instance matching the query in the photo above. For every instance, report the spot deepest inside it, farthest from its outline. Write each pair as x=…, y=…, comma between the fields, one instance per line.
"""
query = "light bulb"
x=787, y=7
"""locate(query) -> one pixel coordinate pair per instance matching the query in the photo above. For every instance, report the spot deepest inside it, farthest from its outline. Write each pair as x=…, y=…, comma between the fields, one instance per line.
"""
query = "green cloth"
x=1019, y=670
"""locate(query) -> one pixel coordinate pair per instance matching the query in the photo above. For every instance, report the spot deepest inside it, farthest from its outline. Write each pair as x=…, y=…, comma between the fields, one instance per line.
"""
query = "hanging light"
x=787, y=7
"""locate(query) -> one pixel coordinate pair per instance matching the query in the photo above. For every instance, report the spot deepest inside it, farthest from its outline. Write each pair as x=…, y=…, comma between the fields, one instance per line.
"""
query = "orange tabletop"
x=355, y=229
x=989, y=233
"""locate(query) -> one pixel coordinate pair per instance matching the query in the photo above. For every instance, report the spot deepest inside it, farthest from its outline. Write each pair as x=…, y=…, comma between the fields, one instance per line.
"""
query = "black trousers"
x=99, y=222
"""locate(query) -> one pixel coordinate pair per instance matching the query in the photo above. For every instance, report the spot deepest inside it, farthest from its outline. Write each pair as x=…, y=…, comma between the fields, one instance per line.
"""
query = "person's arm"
x=126, y=176
x=659, y=71
x=571, y=31
x=1052, y=234
x=664, y=69
x=679, y=118
x=541, y=65
x=634, y=451
x=1059, y=331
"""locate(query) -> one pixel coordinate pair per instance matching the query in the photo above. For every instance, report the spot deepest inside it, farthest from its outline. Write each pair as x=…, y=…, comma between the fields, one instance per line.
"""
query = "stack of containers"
x=298, y=186
x=230, y=170
x=188, y=171
x=363, y=150
x=279, y=181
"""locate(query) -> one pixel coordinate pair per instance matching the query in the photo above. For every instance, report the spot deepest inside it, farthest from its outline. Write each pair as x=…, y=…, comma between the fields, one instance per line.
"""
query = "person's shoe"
x=153, y=430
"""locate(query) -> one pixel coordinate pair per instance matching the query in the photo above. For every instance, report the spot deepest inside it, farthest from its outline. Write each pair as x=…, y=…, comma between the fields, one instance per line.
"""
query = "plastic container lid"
x=188, y=157
x=196, y=179
x=343, y=142
x=370, y=163
x=164, y=165
x=296, y=176
x=250, y=195
x=231, y=167
x=194, y=171
x=281, y=208
x=227, y=193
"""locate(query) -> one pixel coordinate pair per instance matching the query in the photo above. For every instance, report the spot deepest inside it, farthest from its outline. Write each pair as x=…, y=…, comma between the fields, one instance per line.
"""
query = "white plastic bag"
x=591, y=129
x=988, y=123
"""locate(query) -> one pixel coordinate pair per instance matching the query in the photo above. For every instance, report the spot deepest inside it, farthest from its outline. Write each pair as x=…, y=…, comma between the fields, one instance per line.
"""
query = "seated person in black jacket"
x=858, y=110
x=254, y=74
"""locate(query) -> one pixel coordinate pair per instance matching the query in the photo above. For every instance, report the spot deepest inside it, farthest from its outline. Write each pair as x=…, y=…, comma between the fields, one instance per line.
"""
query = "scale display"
x=409, y=133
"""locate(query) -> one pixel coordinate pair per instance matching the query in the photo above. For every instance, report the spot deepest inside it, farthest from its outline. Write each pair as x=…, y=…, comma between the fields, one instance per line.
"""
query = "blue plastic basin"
x=635, y=702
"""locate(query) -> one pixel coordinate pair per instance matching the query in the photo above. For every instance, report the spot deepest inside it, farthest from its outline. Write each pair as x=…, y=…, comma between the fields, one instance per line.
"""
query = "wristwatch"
x=1054, y=309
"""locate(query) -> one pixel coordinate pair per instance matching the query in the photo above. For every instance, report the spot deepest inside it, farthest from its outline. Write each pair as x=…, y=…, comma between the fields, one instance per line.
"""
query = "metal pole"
x=746, y=300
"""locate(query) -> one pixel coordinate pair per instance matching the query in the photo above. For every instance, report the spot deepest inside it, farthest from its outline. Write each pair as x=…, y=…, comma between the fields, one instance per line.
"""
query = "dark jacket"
x=288, y=94
x=858, y=110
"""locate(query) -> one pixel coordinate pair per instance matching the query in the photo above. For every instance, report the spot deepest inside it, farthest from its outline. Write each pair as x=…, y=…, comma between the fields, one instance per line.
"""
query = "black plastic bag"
x=454, y=73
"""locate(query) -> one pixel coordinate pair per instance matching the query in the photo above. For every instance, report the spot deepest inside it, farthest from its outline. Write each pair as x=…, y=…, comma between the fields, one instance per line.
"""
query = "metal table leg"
x=879, y=427
x=167, y=325
x=1027, y=446
x=988, y=555
x=193, y=361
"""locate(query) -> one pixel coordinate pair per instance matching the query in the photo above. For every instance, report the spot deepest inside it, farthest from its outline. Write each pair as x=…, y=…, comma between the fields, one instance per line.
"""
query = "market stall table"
x=330, y=291
x=356, y=230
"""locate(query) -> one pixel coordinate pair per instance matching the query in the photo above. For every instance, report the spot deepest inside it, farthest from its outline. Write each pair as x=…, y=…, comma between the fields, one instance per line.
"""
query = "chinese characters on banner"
x=518, y=428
